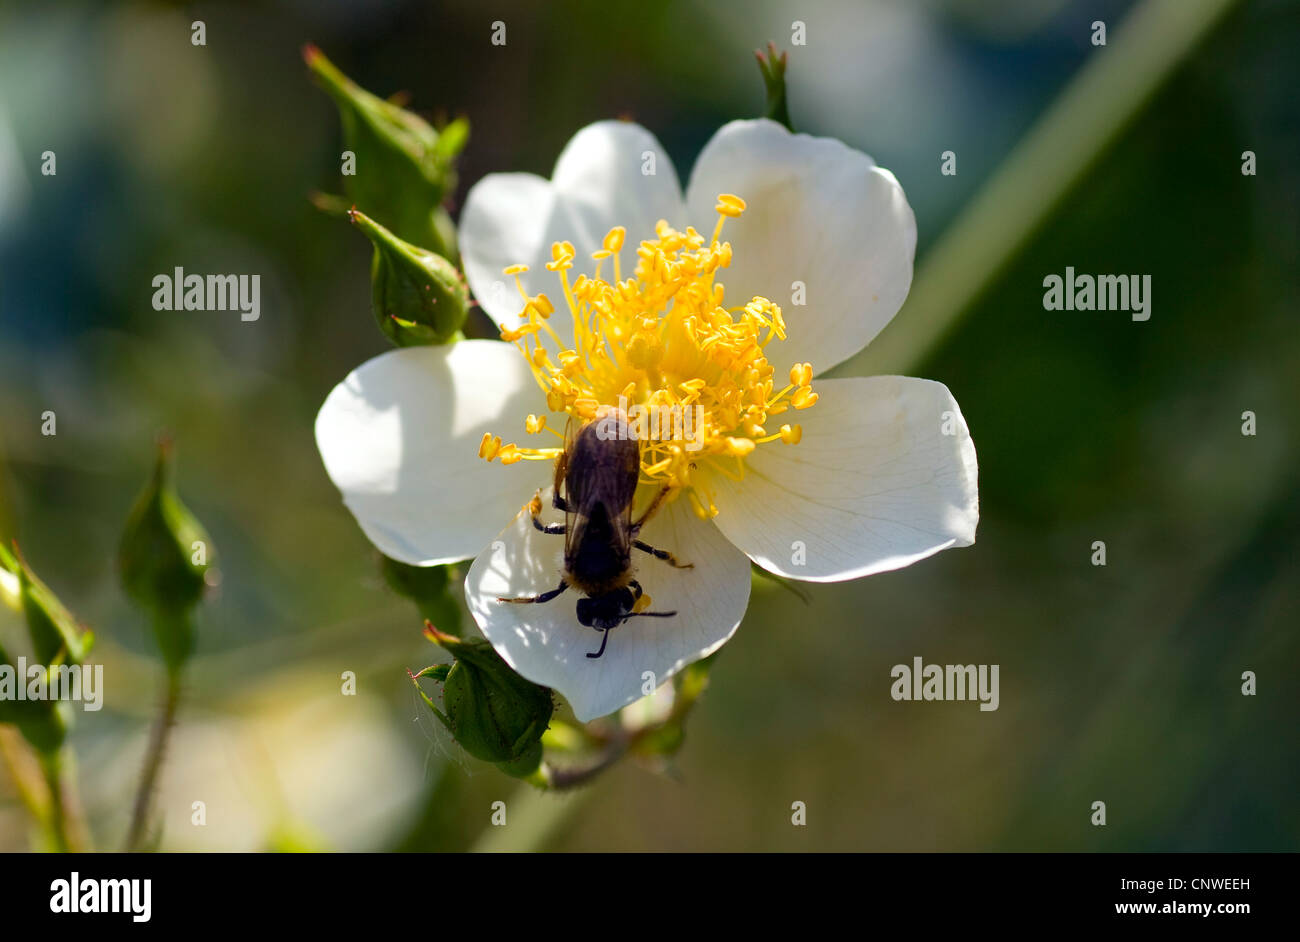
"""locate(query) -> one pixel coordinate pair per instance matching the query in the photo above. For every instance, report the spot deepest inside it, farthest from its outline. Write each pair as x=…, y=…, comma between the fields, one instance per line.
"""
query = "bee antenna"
x=649, y=615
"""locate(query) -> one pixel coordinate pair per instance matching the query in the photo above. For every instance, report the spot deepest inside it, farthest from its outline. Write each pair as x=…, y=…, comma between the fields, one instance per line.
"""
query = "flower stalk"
x=164, y=560
x=46, y=780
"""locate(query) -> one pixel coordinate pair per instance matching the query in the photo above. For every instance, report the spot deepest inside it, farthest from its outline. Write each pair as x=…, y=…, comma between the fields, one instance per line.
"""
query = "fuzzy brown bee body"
x=595, y=486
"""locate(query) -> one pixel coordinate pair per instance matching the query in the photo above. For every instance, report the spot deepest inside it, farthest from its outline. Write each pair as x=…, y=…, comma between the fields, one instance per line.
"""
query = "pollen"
x=663, y=345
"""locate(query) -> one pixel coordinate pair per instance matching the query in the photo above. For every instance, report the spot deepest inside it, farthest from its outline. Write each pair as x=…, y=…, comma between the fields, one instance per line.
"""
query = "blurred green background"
x=1119, y=684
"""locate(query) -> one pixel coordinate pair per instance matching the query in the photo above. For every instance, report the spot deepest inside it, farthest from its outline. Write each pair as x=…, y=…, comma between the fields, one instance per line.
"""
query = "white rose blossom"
x=876, y=474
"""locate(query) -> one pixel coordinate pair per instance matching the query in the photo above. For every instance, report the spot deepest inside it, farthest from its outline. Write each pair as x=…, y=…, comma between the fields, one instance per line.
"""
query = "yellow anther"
x=514, y=270
x=571, y=362
x=801, y=374
x=740, y=447
x=489, y=446
x=729, y=205
x=586, y=407
x=543, y=305
x=791, y=434
x=535, y=423
x=643, y=351
x=614, y=239
x=803, y=397
x=510, y=454
x=641, y=604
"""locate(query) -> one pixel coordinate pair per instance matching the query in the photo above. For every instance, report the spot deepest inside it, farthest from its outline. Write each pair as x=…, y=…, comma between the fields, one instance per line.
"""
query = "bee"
x=595, y=483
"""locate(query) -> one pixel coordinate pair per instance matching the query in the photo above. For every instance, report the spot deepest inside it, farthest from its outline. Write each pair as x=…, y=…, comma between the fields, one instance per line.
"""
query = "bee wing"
x=600, y=477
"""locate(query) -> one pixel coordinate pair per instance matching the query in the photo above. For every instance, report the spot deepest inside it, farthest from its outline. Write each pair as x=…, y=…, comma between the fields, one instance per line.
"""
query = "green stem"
x=533, y=818
x=153, y=762
x=1092, y=111
x=63, y=814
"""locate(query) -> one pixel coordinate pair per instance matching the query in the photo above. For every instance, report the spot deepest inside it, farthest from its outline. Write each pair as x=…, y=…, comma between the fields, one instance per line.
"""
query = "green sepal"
x=405, y=168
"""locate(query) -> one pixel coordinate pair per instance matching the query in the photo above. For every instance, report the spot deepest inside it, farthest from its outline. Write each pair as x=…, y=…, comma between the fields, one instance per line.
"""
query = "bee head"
x=606, y=611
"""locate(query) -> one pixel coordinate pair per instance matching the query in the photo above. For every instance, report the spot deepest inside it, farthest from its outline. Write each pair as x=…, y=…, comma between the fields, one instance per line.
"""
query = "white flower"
x=878, y=473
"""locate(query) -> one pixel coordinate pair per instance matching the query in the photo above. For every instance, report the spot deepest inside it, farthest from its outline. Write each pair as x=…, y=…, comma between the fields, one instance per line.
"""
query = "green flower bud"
x=164, y=556
x=404, y=168
x=56, y=637
x=418, y=297
x=772, y=66
x=494, y=714
x=426, y=586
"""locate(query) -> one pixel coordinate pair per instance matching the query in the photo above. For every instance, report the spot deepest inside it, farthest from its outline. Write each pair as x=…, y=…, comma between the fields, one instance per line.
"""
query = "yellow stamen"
x=691, y=373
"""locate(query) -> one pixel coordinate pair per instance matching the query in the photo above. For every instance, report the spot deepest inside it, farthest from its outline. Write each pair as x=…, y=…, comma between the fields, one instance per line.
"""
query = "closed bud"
x=163, y=557
x=56, y=639
x=418, y=297
x=494, y=714
x=404, y=168
x=55, y=635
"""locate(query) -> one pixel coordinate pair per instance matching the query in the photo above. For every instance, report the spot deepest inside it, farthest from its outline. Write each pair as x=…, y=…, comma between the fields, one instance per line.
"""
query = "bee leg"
x=666, y=556
x=535, y=508
x=548, y=527
x=604, y=637
x=650, y=511
x=544, y=597
x=559, y=502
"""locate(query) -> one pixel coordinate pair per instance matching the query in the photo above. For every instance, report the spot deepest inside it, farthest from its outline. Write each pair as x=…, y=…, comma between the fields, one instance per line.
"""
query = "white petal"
x=874, y=485
x=819, y=213
x=545, y=642
x=400, y=436
x=600, y=181
x=615, y=173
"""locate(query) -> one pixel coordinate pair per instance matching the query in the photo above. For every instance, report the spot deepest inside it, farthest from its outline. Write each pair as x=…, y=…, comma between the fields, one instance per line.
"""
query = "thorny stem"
x=153, y=762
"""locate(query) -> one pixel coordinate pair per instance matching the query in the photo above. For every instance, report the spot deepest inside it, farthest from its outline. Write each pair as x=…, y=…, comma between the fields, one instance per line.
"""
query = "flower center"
x=690, y=374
